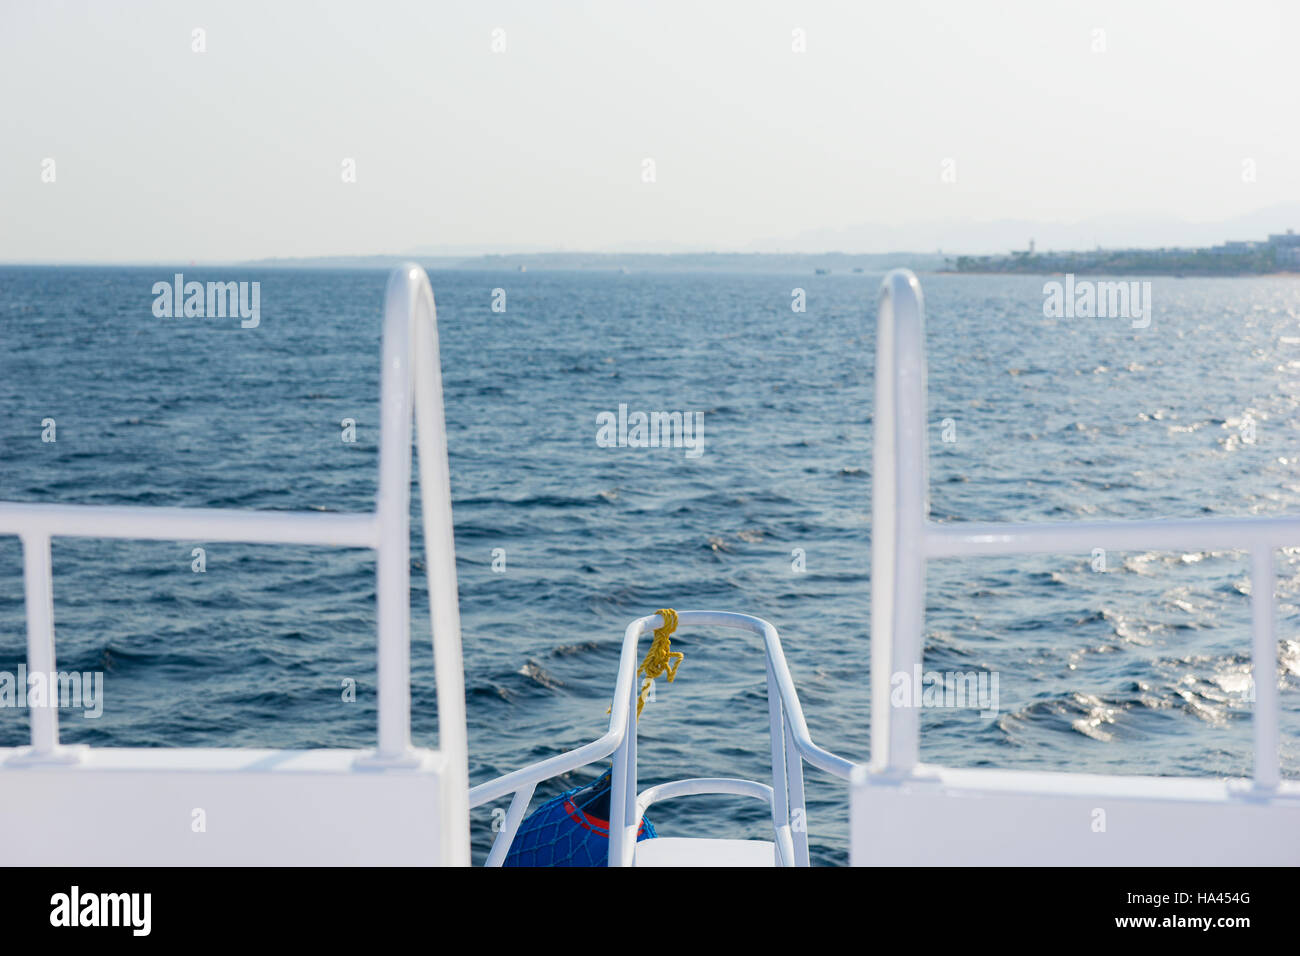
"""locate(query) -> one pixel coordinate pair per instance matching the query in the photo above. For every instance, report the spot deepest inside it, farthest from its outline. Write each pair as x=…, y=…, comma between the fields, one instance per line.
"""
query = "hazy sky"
x=162, y=153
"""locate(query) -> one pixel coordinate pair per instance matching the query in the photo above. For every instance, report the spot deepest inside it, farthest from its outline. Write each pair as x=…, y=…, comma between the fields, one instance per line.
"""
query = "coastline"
x=1095, y=272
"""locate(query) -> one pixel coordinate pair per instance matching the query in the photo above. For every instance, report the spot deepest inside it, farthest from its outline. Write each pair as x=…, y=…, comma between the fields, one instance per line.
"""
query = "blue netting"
x=570, y=830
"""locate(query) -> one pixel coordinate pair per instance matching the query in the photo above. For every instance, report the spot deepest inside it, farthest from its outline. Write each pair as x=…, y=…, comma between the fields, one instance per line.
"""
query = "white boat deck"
x=212, y=807
x=397, y=804
x=680, y=851
x=903, y=812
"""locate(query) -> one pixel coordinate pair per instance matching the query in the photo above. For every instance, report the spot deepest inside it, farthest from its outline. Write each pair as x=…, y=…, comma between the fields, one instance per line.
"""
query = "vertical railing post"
x=393, y=508
x=1263, y=610
x=618, y=804
x=411, y=375
x=898, y=512
x=776, y=741
x=440, y=550
x=622, y=798
x=798, y=801
x=629, y=798
x=38, y=592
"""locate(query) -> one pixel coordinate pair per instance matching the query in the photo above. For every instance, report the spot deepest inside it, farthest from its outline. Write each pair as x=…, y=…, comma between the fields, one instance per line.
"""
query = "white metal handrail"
x=791, y=746
x=734, y=786
x=904, y=538
x=411, y=374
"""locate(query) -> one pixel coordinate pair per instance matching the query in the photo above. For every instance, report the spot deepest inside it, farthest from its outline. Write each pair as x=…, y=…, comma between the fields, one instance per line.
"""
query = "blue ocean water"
x=1140, y=667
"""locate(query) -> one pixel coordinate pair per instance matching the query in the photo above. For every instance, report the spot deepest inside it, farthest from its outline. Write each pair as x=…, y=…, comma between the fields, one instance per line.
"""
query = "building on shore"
x=1280, y=252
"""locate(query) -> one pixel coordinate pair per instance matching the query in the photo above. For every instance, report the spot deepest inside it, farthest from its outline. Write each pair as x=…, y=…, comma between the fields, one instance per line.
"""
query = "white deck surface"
x=679, y=851
x=944, y=817
x=213, y=807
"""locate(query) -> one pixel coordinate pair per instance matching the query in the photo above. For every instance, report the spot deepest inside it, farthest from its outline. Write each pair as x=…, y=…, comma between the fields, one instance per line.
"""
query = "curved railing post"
x=622, y=801
x=788, y=727
x=393, y=509
x=899, y=506
x=412, y=374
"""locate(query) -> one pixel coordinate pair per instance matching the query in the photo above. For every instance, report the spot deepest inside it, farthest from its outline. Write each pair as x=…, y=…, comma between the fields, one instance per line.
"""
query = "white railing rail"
x=733, y=786
x=411, y=374
x=904, y=538
x=790, y=742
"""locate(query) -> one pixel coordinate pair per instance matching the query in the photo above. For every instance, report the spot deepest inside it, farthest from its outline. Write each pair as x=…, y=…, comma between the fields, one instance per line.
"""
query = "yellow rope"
x=661, y=659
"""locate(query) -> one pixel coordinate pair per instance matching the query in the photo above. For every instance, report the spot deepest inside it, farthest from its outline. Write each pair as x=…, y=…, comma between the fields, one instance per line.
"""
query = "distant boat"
x=623, y=270
x=823, y=272
x=523, y=268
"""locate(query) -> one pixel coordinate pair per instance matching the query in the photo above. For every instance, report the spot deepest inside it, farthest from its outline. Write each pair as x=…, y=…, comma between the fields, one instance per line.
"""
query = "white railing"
x=904, y=538
x=411, y=374
x=791, y=745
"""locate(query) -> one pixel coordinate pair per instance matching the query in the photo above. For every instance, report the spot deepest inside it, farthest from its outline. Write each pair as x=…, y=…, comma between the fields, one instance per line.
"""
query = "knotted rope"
x=661, y=659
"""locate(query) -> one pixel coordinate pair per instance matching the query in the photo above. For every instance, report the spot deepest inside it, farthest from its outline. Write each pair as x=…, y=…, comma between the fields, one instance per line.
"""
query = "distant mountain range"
x=866, y=247
x=831, y=262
